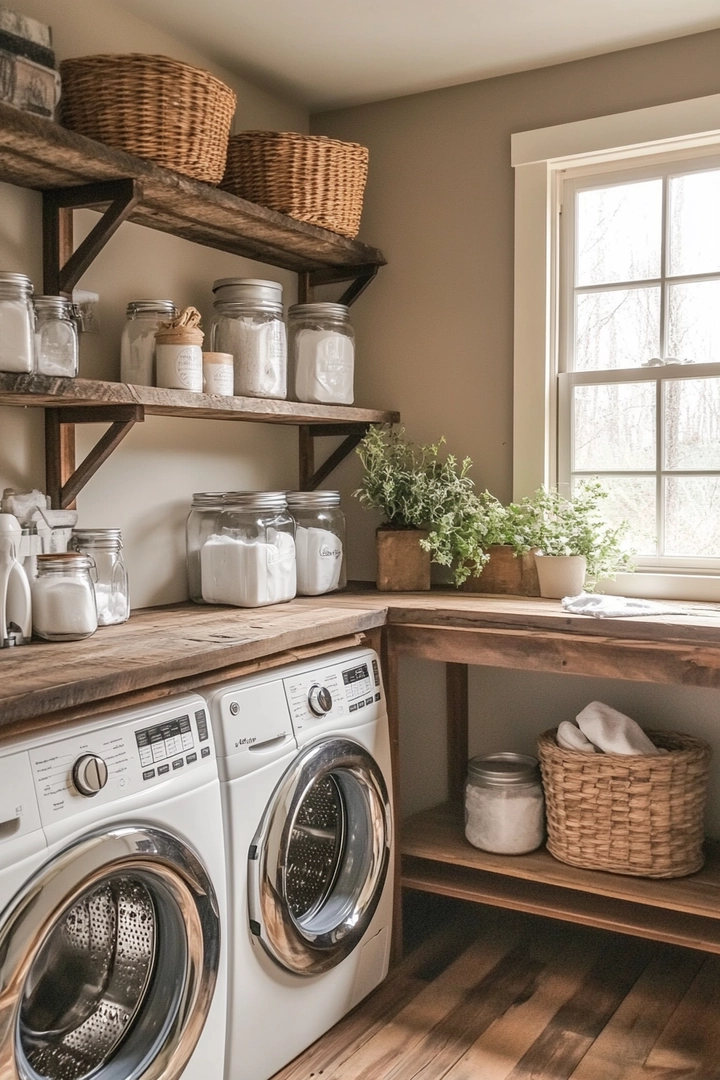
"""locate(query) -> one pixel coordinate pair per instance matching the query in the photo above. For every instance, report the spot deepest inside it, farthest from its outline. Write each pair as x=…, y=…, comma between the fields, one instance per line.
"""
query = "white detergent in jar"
x=319, y=561
x=504, y=805
x=248, y=572
x=63, y=598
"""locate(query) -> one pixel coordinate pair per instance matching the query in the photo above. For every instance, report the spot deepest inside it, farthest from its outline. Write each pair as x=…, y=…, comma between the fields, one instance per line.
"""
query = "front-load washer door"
x=108, y=961
x=318, y=862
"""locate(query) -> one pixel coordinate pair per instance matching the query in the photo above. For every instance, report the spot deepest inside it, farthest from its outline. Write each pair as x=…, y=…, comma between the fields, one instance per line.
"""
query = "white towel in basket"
x=613, y=732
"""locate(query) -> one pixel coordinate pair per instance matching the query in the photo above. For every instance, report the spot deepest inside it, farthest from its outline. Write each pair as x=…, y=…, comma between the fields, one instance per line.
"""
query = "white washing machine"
x=304, y=762
x=112, y=899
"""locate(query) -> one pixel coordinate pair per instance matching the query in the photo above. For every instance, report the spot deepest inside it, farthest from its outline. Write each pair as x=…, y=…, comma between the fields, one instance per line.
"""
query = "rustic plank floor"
x=484, y=994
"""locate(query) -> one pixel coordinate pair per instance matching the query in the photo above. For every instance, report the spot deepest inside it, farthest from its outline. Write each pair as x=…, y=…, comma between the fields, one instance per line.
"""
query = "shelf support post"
x=456, y=690
x=63, y=481
x=63, y=266
x=309, y=477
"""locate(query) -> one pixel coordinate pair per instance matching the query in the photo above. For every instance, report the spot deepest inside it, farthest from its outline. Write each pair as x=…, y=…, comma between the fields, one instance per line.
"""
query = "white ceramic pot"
x=560, y=575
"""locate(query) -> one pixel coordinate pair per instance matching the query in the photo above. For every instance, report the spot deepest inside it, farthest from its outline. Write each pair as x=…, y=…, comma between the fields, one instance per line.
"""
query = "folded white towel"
x=613, y=732
x=620, y=607
x=571, y=737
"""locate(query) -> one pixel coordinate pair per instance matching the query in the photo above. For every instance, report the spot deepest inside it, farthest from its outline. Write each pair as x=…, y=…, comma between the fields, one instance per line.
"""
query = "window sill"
x=652, y=585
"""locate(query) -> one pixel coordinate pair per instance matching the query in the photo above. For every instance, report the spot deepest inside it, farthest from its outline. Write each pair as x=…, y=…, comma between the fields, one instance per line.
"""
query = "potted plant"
x=430, y=509
x=573, y=546
x=507, y=570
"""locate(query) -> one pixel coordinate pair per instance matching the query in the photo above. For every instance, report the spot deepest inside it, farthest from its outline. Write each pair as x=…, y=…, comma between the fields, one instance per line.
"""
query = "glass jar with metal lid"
x=250, y=560
x=321, y=353
x=504, y=806
x=248, y=323
x=137, y=344
x=319, y=541
x=112, y=594
x=56, y=337
x=63, y=597
x=17, y=323
x=202, y=522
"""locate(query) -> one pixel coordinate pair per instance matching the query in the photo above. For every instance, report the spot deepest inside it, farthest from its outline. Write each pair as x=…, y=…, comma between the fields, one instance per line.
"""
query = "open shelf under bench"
x=437, y=858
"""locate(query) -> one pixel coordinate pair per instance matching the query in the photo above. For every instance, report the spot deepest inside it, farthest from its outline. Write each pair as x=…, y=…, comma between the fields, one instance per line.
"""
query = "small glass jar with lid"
x=203, y=521
x=504, y=805
x=112, y=594
x=56, y=337
x=17, y=323
x=63, y=597
x=319, y=541
x=321, y=353
x=250, y=560
x=137, y=344
x=248, y=323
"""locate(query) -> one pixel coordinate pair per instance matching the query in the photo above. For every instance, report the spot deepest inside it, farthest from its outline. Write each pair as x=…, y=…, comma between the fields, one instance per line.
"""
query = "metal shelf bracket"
x=63, y=481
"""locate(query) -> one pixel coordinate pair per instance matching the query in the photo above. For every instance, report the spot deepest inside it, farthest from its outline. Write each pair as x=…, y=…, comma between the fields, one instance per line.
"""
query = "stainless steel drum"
x=319, y=859
x=108, y=961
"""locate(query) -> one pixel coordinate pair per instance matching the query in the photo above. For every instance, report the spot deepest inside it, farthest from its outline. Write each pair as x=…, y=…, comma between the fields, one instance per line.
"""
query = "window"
x=617, y=329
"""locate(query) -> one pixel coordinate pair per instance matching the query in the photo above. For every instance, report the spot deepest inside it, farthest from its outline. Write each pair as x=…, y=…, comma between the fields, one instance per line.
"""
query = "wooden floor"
x=486, y=994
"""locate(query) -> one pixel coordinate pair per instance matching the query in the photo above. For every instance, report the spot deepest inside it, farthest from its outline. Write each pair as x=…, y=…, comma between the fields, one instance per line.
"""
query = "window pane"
x=693, y=324
x=618, y=233
x=692, y=516
x=614, y=426
x=632, y=499
x=692, y=424
x=617, y=329
x=695, y=223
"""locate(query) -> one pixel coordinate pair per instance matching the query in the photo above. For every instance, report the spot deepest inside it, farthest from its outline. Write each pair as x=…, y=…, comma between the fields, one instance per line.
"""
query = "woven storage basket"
x=152, y=106
x=627, y=814
x=309, y=177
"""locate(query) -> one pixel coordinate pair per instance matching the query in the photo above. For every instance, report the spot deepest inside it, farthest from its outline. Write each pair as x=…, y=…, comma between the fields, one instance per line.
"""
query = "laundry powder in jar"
x=504, y=806
x=319, y=561
x=63, y=598
x=248, y=572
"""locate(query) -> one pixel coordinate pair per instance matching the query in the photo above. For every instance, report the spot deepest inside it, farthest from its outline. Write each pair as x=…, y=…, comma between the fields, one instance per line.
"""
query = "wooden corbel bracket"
x=63, y=480
x=310, y=477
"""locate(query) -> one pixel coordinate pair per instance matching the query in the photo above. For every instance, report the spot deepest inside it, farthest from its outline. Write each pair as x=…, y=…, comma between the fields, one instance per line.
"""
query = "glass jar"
x=56, y=337
x=504, y=806
x=202, y=522
x=63, y=598
x=248, y=323
x=319, y=541
x=321, y=353
x=17, y=323
x=112, y=594
x=137, y=344
x=250, y=560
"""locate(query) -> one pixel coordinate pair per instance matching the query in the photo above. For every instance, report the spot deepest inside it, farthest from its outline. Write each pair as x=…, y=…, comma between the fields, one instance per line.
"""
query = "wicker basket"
x=309, y=177
x=152, y=106
x=627, y=814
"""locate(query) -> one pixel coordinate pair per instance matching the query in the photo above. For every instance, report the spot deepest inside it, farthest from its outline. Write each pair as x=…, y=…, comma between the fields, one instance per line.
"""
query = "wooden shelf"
x=43, y=391
x=40, y=154
x=437, y=858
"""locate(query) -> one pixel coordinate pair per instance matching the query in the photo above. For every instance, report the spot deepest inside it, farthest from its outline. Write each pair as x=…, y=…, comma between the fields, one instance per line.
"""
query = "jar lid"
x=21, y=280
x=91, y=537
x=255, y=500
x=151, y=307
x=53, y=305
x=329, y=311
x=312, y=500
x=64, y=560
x=249, y=285
x=504, y=770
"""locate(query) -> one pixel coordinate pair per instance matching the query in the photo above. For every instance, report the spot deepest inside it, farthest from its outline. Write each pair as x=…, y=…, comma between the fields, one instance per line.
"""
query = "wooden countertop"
x=165, y=650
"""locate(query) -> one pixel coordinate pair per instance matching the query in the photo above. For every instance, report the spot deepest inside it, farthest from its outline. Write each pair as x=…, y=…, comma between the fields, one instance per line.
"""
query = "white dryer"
x=112, y=899
x=304, y=762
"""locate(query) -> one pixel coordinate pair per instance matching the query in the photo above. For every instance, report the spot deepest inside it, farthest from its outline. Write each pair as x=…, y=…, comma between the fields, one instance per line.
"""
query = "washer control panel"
x=335, y=691
x=129, y=753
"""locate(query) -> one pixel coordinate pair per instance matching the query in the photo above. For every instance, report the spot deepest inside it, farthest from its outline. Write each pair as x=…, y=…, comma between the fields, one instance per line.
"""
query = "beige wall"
x=145, y=487
x=435, y=339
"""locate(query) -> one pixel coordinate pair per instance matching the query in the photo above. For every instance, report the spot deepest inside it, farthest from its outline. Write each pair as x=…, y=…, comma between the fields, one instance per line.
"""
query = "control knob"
x=320, y=700
x=89, y=775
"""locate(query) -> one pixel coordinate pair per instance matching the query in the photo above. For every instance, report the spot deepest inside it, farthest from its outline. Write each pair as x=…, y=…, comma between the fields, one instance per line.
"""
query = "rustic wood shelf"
x=37, y=153
x=684, y=911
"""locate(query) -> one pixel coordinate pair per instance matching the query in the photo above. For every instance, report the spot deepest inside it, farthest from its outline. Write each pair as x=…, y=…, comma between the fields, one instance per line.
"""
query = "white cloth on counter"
x=620, y=607
x=571, y=737
x=613, y=732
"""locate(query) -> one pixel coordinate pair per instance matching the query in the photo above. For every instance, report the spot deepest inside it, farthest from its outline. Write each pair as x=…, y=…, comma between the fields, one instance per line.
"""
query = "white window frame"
x=539, y=158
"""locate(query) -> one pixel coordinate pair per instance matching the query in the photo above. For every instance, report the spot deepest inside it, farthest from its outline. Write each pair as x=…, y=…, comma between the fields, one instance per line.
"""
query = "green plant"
x=558, y=526
x=414, y=488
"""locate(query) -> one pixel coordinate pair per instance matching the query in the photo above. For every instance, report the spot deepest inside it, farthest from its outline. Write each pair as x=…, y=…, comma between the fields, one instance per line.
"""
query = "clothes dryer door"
x=319, y=859
x=108, y=961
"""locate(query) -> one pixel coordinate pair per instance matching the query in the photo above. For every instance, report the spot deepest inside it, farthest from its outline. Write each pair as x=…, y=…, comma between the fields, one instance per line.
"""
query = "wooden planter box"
x=403, y=566
x=506, y=573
